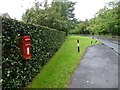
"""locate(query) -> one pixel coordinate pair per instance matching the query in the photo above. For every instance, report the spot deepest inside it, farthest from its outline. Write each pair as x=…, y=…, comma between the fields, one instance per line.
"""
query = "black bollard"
x=78, y=45
x=91, y=42
x=96, y=41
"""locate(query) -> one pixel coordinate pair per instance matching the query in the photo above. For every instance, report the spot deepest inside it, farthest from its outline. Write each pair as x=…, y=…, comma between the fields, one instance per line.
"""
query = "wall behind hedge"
x=16, y=72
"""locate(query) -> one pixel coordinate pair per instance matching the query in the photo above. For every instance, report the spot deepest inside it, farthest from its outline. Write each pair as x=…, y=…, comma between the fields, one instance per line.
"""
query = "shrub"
x=16, y=72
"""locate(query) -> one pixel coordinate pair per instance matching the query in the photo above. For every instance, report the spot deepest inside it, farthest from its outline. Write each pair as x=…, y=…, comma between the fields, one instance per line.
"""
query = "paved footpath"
x=97, y=69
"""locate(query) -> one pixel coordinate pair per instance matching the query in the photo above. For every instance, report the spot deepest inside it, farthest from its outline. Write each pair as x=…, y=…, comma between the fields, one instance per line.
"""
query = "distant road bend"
x=113, y=44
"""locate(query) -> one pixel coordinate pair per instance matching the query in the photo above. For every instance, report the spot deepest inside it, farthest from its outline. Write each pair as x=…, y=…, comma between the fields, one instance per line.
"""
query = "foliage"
x=106, y=20
x=44, y=42
x=81, y=28
x=58, y=15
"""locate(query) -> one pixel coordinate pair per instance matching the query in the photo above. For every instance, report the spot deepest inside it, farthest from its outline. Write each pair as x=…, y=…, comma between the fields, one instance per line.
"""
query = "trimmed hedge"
x=16, y=72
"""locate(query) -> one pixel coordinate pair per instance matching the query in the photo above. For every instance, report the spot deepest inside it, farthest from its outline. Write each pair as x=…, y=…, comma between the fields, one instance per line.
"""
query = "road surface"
x=113, y=44
x=97, y=69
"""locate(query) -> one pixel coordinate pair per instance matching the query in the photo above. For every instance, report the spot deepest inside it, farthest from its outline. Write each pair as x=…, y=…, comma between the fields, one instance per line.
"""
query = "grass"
x=56, y=73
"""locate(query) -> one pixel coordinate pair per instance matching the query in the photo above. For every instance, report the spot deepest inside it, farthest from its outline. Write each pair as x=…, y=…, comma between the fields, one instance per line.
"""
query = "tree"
x=81, y=28
x=106, y=20
x=58, y=15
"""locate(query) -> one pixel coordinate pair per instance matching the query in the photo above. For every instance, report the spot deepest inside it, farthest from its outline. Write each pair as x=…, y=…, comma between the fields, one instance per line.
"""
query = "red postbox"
x=25, y=46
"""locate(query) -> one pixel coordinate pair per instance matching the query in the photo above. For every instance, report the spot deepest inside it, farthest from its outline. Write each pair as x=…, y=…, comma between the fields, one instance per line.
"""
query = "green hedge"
x=16, y=72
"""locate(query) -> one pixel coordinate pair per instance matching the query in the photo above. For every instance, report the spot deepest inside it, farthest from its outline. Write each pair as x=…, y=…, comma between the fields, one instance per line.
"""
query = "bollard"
x=91, y=42
x=96, y=41
x=78, y=45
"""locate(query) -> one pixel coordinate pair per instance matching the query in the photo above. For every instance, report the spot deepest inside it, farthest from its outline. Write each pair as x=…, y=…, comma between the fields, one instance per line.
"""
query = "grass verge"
x=56, y=73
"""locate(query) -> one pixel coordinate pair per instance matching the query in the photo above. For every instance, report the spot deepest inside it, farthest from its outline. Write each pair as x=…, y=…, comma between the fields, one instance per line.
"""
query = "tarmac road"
x=114, y=44
x=97, y=69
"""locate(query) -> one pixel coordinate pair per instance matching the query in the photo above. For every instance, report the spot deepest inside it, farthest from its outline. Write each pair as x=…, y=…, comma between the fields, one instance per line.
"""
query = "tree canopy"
x=57, y=15
x=105, y=21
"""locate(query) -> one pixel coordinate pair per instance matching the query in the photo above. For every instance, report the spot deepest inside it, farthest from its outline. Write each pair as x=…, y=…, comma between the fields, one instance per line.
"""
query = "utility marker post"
x=78, y=45
x=92, y=40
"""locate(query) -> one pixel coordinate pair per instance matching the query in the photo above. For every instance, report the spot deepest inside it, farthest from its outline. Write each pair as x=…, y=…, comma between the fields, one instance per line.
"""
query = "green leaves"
x=81, y=28
x=105, y=20
x=59, y=15
x=44, y=42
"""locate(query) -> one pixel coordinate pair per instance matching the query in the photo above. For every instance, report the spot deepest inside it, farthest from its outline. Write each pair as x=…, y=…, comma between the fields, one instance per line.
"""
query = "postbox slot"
x=27, y=41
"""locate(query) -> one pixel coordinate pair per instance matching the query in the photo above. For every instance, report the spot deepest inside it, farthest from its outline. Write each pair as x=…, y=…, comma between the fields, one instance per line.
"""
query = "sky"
x=84, y=9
